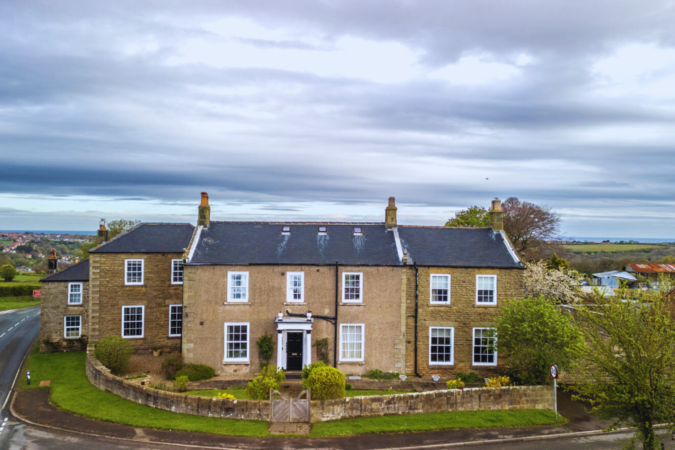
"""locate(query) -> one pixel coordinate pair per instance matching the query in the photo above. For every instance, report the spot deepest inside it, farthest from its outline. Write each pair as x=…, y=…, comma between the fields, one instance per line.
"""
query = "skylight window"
x=286, y=229
x=323, y=230
x=357, y=230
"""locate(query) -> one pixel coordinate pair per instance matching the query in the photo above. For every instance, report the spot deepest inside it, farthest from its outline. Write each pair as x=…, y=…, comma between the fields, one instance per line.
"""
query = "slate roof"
x=78, y=272
x=250, y=243
x=264, y=243
x=150, y=238
x=456, y=247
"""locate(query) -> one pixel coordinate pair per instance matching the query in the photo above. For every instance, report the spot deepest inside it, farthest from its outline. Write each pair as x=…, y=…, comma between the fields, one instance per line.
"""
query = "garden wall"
x=101, y=377
x=473, y=399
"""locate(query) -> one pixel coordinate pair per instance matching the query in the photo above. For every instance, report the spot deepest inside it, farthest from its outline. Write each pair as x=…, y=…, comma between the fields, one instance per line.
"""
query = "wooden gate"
x=290, y=409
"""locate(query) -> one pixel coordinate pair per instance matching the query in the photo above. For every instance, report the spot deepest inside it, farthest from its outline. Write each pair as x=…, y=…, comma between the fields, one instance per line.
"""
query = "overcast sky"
x=323, y=109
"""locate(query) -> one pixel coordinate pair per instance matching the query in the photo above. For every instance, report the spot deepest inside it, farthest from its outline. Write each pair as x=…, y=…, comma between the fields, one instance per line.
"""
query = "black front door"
x=294, y=351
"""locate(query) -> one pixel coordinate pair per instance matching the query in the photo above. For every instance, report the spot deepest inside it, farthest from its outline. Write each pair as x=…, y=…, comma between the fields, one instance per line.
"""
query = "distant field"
x=608, y=248
x=4, y=242
x=23, y=277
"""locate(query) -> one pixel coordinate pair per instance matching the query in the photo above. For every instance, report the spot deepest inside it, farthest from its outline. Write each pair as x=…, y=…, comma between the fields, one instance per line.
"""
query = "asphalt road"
x=18, y=330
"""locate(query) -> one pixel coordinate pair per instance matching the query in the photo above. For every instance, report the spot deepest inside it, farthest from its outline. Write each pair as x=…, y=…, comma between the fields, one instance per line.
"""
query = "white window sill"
x=359, y=363
x=236, y=363
x=485, y=305
x=237, y=304
x=134, y=284
x=133, y=337
x=295, y=303
x=447, y=305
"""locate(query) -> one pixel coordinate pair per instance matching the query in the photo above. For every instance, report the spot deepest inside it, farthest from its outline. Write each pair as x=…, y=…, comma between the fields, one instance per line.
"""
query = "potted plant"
x=156, y=351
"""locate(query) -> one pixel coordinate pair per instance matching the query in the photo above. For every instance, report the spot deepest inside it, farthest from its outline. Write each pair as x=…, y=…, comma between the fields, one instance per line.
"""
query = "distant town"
x=28, y=251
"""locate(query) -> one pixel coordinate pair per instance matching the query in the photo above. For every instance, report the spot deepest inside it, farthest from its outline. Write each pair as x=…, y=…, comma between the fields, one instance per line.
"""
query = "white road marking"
x=1, y=335
x=11, y=329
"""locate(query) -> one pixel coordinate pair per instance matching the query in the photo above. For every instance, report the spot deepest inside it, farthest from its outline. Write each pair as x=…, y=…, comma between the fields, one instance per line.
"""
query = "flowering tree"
x=561, y=286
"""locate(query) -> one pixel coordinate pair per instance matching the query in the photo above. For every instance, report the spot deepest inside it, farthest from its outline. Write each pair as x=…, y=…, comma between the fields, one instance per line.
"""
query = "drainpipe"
x=335, y=336
x=417, y=286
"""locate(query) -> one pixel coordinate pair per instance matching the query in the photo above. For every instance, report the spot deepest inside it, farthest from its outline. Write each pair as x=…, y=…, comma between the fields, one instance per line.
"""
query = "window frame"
x=126, y=272
x=173, y=271
x=142, y=321
x=248, y=343
x=363, y=343
x=431, y=288
x=494, y=295
x=70, y=285
x=344, y=286
x=229, y=287
x=452, y=347
x=65, y=327
x=473, y=349
x=181, y=320
x=289, y=293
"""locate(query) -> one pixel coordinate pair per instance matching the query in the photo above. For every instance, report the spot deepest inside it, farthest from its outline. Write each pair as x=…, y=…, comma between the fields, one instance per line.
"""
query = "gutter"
x=417, y=286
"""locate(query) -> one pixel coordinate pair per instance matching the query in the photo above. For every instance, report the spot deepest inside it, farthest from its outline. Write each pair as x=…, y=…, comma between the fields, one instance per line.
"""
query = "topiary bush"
x=265, y=347
x=171, y=365
x=196, y=372
x=306, y=370
x=114, y=352
x=8, y=272
x=326, y=383
x=269, y=378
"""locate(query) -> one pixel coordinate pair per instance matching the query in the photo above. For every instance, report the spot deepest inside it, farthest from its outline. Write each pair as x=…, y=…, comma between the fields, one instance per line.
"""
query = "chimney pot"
x=204, y=216
x=102, y=231
x=52, y=262
x=496, y=215
x=390, y=214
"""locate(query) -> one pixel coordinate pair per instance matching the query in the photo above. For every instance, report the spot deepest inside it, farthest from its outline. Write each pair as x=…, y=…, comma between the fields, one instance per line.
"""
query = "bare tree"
x=527, y=224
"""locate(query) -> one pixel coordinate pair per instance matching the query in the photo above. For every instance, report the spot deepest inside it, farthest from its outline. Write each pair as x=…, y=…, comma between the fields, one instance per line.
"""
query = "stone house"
x=65, y=309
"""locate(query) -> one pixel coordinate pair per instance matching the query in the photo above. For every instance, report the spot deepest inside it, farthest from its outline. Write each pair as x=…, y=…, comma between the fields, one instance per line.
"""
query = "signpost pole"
x=555, y=396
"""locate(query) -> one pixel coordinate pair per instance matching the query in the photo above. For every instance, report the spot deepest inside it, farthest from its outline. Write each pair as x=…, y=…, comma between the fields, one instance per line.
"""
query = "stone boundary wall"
x=101, y=377
x=472, y=399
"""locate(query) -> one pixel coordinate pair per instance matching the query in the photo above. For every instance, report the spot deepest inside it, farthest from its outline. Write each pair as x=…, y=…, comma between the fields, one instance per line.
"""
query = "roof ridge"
x=291, y=222
x=66, y=270
x=443, y=226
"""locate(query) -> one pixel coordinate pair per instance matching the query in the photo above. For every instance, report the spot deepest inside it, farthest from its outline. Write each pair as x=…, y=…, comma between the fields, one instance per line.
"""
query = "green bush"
x=171, y=365
x=326, y=382
x=196, y=372
x=8, y=272
x=19, y=290
x=180, y=383
x=265, y=347
x=454, y=384
x=114, y=352
x=470, y=378
x=306, y=370
x=377, y=374
x=269, y=378
x=348, y=387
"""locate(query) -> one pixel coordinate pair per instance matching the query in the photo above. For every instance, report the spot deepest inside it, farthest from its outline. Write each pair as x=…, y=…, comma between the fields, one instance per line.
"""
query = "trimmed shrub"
x=180, y=383
x=377, y=374
x=471, y=377
x=306, y=370
x=196, y=372
x=8, y=272
x=19, y=290
x=265, y=347
x=326, y=383
x=114, y=352
x=497, y=382
x=269, y=378
x=171, y=365
x=454, y=384
x=348, y=387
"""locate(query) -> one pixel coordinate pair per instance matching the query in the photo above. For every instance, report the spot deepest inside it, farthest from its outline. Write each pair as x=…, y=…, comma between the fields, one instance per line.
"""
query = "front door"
x=294, y=351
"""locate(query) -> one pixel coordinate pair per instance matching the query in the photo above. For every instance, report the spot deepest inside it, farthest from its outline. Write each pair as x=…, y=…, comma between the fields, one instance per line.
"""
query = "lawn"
x=238, y=392
x=609, y=248
x=17, y=302
x=71, y=391
x=23, y=278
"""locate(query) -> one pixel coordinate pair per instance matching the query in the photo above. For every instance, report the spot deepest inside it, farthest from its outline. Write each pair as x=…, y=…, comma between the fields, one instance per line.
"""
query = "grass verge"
x=17, y=302
x=71, y=391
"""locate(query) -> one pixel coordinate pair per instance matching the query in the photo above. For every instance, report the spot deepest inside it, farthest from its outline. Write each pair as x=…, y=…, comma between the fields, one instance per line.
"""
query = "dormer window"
x=357, y=231
x=286, y=229
x=323, y=230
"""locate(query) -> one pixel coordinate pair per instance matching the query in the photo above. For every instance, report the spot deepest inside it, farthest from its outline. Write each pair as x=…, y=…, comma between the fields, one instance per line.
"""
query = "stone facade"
x=207, y=310
x=462, y=313
x=109, y=294
x=54, y=309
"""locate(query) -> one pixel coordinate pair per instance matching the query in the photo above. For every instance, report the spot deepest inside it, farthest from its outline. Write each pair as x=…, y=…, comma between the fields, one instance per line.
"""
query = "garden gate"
x=290, y=409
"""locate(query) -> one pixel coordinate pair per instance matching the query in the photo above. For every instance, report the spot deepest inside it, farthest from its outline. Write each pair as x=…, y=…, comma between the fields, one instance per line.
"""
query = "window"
x=295, y=287
x=357, y=231
x=352, y=287
x=177, y=271
x=486, y=289
x=237, y=286
x=132, y=321
x=72, y=327
x=440, y=289
x=285, y=229
x=236, y=342
x=133, y=271
x=75, y=294
x=323, y=230
x=483, y=347
x=351, y=342
x=175, y=320
x=441, y=345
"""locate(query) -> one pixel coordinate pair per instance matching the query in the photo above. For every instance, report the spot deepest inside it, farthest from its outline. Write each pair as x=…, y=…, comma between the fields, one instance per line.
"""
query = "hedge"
x=18, y=290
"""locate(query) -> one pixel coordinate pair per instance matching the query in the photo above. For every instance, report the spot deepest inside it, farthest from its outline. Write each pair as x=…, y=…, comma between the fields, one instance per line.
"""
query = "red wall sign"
x=37, y=294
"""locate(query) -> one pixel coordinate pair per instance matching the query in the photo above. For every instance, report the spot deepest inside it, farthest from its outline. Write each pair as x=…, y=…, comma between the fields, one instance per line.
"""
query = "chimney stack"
x=390, y=214
x=52, y=263
x=204, y=218
x=102, y=231
x=496, y=215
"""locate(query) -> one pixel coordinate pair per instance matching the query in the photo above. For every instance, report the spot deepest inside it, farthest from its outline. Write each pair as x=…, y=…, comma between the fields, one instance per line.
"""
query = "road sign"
x=554, y=371
x=37, y=294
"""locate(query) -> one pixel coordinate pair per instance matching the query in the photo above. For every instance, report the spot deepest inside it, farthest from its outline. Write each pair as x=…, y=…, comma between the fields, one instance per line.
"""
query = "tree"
x=556, y=263
x=475, y=216
x=83, y=252
x=527, y=224
x=627, y=367
x=8, y=272
x=533, y=333
x=117, y=227
x=557, y=286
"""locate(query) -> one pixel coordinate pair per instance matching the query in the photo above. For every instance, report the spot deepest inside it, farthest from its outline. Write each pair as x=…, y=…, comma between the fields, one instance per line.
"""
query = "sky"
x=321, y=110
